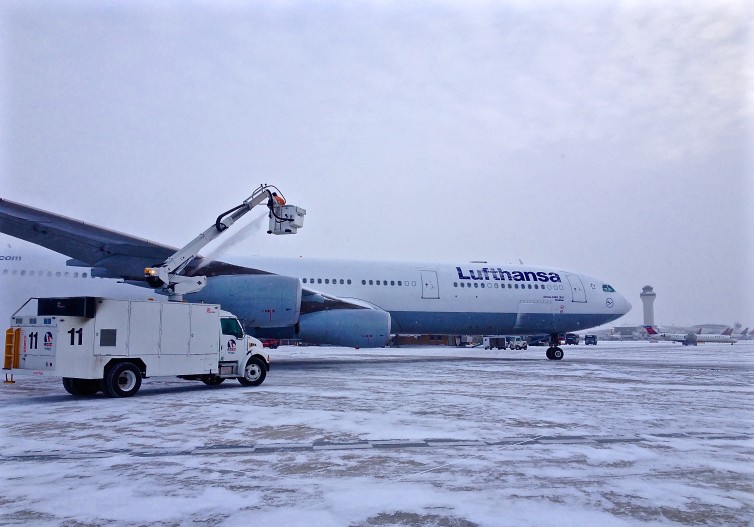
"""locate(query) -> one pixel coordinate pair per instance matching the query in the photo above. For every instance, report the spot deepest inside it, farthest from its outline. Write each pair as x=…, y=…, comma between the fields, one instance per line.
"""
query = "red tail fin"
x=651, y=330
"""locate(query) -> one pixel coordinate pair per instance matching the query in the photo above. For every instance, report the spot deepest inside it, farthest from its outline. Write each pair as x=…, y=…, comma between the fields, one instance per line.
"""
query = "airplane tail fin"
x=728, y=331
x=651, y=330
x=744, y=332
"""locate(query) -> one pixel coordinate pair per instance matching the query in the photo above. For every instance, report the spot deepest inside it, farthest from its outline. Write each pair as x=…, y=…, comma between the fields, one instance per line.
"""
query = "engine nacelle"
x=355, y=328
x=259, y=301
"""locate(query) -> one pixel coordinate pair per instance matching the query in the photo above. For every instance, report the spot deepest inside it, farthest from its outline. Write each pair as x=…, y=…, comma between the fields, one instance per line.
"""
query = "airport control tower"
x=648, y=299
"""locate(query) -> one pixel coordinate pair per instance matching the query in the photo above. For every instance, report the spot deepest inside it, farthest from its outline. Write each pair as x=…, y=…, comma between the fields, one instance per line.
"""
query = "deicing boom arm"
x=168, y=274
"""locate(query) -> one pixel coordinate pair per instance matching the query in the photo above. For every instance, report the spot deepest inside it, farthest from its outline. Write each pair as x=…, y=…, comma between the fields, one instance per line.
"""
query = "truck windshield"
x=230, y=326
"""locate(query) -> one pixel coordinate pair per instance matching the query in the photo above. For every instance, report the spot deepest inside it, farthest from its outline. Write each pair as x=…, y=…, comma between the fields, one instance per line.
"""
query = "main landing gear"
x=554, y=352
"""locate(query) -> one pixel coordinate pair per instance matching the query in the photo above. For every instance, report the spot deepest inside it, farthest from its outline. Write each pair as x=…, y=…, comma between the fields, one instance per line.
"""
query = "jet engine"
x=258, y=300
x=356, y=328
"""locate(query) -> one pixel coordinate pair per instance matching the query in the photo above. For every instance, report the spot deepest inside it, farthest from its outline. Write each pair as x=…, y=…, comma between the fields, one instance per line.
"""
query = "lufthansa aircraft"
x=342, y=303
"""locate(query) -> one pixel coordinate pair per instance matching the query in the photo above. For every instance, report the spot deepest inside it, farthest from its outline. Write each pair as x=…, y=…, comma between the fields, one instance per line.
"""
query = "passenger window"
x=392, y=282
x=304, y=280
x=378, y=282
x=363, y=282
x=327, y=280
x=319, y=280
x=371, y=282
x=399, y=282
x=341, y=281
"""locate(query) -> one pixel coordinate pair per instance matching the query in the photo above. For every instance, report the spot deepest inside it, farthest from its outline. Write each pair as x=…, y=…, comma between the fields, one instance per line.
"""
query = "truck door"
x=176, y=329
x=429, y=285
x=110, y=330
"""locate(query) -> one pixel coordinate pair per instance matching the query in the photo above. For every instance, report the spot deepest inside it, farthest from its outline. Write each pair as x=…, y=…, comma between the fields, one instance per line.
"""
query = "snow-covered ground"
x=620, y=434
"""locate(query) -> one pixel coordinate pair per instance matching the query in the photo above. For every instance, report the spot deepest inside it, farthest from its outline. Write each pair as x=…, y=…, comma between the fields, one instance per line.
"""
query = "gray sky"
x=613, y=139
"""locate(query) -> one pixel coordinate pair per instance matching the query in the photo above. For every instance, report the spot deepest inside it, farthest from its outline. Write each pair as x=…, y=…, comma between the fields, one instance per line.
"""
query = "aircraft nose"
x=624, y=306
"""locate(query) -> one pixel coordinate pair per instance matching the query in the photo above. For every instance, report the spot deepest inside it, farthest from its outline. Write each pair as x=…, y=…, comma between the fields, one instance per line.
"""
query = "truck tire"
x=122, y=380
x=254, y=372
x=81, y=386
x=212, y=380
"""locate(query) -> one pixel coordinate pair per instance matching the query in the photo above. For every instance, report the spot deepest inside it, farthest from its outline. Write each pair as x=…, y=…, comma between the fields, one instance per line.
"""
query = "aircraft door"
x=430, y=288
x=578, y=294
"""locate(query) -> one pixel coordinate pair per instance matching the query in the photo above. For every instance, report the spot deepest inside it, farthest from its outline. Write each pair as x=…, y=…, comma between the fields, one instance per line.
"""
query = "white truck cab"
x=111, y=345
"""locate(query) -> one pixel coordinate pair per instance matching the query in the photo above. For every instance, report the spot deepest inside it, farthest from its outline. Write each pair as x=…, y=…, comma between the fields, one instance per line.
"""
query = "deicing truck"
x=111, y=345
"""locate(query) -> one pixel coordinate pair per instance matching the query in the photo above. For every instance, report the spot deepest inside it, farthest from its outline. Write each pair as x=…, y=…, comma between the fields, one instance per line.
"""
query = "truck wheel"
x=211, y=380
x=254, y=372
x=122, y=380
x=80, y=386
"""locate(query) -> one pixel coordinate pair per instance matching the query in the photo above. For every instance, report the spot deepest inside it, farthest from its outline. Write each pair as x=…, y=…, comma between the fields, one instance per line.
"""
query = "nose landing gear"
x=554, y=352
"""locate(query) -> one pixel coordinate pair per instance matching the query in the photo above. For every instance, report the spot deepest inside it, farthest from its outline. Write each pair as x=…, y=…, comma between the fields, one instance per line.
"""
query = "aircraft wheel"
x=211, y=380
x=548, y=354
x=122, y=380
x=254, y=373
x=557, y=354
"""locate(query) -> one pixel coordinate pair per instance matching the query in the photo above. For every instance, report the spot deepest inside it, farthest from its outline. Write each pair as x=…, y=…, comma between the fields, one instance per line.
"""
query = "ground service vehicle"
x=503, y=342
x=111, y=345
x=517, y=343
x=590, y=339
x=571, y=339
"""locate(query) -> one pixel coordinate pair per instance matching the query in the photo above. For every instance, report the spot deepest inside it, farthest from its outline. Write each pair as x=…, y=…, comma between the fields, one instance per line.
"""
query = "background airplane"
x=348, y=303
x=690, y=338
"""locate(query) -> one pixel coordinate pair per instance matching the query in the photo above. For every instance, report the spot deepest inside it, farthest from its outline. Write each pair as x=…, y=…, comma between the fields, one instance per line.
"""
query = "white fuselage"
x=475, y=298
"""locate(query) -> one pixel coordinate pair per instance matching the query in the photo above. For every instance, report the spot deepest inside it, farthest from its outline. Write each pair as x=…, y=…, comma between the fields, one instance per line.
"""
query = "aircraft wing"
x=122, y=255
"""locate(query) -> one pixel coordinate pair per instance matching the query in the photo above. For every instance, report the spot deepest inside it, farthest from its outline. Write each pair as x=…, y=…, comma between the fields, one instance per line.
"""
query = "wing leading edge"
x=123, y=255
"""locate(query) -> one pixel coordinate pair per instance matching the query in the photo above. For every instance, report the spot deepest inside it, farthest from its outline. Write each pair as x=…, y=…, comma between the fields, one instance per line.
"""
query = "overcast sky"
x=613, y=139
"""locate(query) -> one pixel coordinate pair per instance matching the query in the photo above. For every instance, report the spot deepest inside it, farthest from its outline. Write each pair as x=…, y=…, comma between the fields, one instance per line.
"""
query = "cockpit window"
x=230, y=326
x=608, y=288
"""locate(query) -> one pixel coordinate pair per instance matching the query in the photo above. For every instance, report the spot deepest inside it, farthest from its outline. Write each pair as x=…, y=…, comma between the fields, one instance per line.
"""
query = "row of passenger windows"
x=399, y=283
x=325, y=281
x=49, y=274
x=510, y=286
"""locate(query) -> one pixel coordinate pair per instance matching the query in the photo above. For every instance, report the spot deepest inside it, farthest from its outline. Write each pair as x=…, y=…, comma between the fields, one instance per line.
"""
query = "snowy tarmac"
x=620, y=434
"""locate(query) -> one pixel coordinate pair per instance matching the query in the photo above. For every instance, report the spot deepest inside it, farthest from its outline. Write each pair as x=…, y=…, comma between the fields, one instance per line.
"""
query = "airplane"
x=690, y=338
x=744, y=335
x=329, y=302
